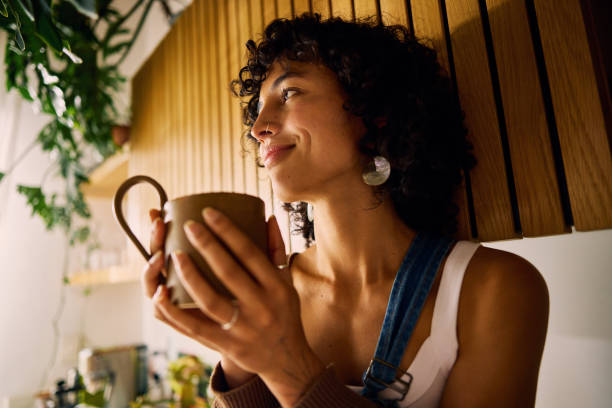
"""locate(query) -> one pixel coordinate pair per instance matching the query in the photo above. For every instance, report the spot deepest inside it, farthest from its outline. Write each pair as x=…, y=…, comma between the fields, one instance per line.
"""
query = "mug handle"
x=118, y=212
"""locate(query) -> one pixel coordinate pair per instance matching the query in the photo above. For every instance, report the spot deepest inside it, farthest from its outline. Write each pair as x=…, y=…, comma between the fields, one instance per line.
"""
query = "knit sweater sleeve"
x=326, y=391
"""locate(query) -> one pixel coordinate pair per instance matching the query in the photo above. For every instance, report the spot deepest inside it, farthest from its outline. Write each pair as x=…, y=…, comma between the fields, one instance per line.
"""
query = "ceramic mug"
x=247, y=213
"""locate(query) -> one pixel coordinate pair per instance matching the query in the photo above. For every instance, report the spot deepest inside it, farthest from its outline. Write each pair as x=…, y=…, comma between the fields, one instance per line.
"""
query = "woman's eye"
x=285, y=93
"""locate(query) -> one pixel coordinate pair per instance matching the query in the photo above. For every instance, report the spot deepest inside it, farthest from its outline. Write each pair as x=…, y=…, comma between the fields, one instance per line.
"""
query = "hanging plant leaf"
x=3, y=10
x=26, y=7
x=45, y=27
x=19, y=40
x=1, y=176
x=86, y=7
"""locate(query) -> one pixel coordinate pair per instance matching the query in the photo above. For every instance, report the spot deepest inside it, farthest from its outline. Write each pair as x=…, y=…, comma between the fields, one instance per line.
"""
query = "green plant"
x=188, y=377
x=57, y=58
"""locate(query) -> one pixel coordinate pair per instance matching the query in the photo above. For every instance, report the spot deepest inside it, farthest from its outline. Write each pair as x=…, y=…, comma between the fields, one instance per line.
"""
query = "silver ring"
x=230, y=324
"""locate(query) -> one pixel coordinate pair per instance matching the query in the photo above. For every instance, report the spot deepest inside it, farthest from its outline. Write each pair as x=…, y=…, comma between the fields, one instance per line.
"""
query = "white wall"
x=576, y=366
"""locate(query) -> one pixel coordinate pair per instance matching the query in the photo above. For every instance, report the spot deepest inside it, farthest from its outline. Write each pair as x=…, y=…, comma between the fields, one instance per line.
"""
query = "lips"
x=269, y=153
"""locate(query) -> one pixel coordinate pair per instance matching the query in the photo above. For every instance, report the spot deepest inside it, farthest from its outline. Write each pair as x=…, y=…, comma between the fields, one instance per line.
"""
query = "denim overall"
x=410, y=289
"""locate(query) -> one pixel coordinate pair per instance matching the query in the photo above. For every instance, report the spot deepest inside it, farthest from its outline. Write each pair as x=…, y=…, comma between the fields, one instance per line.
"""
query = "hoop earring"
x=377, y=171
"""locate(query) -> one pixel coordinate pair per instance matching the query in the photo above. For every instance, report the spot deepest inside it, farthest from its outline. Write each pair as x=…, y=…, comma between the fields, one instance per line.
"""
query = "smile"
x=275, y=153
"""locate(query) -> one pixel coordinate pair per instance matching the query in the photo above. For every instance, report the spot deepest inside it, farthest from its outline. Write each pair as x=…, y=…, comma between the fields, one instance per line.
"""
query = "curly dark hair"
x=386, y=73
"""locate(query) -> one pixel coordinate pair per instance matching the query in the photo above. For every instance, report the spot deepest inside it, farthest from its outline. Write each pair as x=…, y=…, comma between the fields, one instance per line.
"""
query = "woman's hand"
x=268, y=336
x=153, y=278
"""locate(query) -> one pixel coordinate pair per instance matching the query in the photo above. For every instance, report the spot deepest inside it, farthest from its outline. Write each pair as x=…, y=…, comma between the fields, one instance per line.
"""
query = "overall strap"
x=410, y=289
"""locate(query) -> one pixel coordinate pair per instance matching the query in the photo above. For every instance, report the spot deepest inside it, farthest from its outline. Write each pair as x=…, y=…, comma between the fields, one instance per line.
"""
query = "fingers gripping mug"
x=246, y=212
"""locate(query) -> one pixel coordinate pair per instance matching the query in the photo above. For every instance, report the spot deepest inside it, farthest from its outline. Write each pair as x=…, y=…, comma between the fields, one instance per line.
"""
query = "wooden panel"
x=179, y=105
x=227, y=157
x=578, y=113
x=213, y=66
x=284, y=9
x=239, y=182
x=203, y=164
x=245, y=28
x=365, y=8
x=189, y=100
x=394, y=12
x=538, y=197
x=490, y=191
x=343, y=9
x=321, y=7
x=196, y=68
x=269, y=11
x=301, y=6
x=429, y=29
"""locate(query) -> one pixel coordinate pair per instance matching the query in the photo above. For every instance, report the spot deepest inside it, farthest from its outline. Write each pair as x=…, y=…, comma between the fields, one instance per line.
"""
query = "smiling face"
x=308, y=142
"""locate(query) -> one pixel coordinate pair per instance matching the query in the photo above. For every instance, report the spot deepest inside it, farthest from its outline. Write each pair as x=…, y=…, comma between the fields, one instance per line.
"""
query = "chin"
x=287, y=193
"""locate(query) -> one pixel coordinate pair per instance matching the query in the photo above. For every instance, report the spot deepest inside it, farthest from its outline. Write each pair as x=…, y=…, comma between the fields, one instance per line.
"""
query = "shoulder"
x=501, y=330
x=501, y=290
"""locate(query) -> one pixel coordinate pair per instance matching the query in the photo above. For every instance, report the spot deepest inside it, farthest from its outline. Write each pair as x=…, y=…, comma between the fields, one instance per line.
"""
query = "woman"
x=334, y=106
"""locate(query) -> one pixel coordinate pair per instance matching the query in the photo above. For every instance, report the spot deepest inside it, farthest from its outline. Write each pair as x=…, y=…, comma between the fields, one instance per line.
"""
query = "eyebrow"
x=287, y=74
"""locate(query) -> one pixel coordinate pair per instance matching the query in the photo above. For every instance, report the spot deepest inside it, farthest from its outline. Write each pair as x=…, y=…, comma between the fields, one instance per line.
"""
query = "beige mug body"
x=246, y=212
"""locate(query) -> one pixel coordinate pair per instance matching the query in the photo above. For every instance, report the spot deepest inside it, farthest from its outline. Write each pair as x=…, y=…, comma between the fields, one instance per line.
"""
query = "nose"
x=263, y=128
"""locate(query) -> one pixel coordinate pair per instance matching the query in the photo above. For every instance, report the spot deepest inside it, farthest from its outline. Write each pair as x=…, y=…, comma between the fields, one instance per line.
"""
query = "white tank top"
x=438, y=353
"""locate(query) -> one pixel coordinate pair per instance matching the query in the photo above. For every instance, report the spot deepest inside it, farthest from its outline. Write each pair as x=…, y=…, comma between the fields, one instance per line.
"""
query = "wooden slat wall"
x=187, y=126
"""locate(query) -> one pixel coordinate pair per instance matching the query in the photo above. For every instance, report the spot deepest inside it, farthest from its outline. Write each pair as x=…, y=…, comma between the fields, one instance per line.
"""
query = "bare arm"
x=501, y=329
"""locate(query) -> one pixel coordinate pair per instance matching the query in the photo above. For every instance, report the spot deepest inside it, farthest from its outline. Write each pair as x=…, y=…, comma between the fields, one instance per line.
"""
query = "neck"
x=359, y=245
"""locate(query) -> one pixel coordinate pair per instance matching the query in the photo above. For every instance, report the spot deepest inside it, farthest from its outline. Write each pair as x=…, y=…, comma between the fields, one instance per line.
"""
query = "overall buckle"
x=403, y=385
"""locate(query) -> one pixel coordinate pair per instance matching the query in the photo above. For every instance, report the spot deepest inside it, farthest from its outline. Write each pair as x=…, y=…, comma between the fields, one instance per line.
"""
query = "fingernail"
x=155, y=257
x=159, y=293
x=211, y=215
x=177, y=256
x=191, y=226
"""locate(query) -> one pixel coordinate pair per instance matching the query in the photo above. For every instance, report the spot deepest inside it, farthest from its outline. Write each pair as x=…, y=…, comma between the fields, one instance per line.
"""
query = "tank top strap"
x=444, y=319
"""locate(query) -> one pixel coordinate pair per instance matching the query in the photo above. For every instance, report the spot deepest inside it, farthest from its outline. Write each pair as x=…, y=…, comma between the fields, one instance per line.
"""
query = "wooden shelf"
x=110, y=275
x=106, y=178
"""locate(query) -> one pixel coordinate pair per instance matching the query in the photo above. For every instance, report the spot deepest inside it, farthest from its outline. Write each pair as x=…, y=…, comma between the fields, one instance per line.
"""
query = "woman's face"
x=300, y=113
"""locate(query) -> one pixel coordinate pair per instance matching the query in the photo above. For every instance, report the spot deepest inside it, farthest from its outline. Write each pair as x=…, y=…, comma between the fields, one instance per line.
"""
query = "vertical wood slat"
x=321, y=7
x=284, y=8
x=245, y=28
x=188, y=96
x=578, y=112
x=343, y=9
x=196, y=68
x=394, y=12
x=200, y=32
x=239, y=182
x=301, y=6
x=365, y=8
x=490, y=191
x=179, y=92
x=429, y=29
x=528, y=137
x=227, y=158
x=214, y=67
